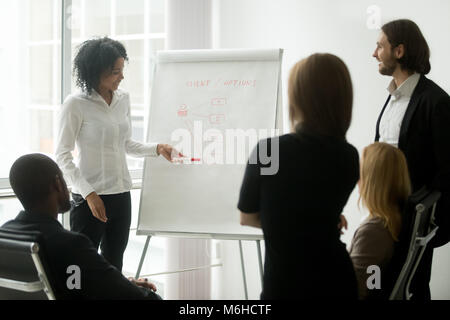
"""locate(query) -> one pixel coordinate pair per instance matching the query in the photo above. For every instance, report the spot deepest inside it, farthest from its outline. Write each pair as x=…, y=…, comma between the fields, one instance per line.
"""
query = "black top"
x=299, y=208
x=424, y=139
x=99, y=279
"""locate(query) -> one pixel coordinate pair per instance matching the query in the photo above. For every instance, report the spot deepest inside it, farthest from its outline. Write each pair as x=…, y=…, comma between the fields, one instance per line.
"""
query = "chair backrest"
x=417, y=231
x=23, y=267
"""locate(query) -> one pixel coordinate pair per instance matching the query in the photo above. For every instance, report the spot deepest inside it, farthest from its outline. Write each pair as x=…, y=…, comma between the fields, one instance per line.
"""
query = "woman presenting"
x=98, y=121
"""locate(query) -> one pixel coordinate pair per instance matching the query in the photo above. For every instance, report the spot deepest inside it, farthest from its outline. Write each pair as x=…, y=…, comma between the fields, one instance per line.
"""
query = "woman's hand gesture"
x=168, y=152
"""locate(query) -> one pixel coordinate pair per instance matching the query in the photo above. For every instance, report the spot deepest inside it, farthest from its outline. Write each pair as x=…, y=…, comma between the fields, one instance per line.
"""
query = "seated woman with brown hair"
x=384, y=188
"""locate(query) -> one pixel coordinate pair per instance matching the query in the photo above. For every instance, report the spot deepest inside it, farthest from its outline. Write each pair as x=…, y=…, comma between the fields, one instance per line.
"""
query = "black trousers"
x=112, y=236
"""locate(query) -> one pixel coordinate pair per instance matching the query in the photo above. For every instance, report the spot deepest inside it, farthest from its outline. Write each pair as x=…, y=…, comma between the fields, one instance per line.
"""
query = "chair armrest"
x=21, y=286
x=422, y=241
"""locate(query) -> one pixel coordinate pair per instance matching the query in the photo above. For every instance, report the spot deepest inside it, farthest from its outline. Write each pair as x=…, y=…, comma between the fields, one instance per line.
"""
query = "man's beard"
x=388, y=67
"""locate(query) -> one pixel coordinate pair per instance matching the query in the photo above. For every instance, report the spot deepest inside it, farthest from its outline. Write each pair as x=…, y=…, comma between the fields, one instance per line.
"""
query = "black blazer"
x=99, y=279
x=425, y=141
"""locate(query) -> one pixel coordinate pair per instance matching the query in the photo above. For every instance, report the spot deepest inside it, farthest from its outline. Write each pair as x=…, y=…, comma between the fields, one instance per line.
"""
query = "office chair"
x=418, y=230
x=22, y=267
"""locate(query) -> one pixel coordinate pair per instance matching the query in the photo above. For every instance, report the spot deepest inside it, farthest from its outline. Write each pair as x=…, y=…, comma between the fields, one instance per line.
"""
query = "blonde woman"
x=384, y=188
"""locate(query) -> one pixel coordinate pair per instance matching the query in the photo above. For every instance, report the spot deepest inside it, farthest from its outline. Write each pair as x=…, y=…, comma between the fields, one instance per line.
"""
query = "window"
x=31, y=55
x=31, y=85
x=32, y=50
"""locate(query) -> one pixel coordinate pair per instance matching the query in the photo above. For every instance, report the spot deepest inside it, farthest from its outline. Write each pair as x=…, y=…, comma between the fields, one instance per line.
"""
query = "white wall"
x=338, y=27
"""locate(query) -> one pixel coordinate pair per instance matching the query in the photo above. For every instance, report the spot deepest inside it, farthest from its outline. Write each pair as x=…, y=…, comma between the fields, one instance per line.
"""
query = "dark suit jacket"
x=425, y=141
x=99, y=279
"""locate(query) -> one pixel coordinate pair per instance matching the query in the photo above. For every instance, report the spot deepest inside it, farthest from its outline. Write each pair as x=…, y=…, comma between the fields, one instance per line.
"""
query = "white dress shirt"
x=392, y=118
x=102, y=134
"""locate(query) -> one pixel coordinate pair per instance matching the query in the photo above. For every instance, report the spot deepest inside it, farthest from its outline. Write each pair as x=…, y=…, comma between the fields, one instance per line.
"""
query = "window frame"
x=66, y=41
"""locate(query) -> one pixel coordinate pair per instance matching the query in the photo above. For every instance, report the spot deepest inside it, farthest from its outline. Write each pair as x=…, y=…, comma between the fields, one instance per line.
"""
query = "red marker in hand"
x=182, y=158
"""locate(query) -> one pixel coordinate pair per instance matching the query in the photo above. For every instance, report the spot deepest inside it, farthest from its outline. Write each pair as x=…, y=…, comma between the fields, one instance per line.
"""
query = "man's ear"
x=399, y=51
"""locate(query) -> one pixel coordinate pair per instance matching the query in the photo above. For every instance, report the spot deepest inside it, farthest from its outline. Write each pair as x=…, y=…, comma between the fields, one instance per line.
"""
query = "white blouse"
x=102, y=135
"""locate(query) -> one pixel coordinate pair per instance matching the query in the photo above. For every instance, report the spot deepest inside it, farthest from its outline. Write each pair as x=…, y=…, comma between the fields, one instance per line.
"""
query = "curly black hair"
x=93, y=58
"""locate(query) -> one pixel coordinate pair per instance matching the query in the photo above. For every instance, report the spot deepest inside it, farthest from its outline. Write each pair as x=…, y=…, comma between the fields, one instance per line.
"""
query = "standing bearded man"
x=416, y=119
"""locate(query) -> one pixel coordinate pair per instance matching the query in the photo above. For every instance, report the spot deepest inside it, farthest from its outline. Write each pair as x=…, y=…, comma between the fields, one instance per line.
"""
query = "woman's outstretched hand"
x=168, y=152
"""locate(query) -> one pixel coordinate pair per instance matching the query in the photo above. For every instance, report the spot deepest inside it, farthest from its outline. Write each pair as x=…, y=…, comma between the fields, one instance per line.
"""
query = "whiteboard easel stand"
x=244, y=278
x=141, y=261
x=261, y=271
x=241, y=253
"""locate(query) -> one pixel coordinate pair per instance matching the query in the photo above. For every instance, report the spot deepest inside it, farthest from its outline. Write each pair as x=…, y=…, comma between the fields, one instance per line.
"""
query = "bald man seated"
x=38, y=183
